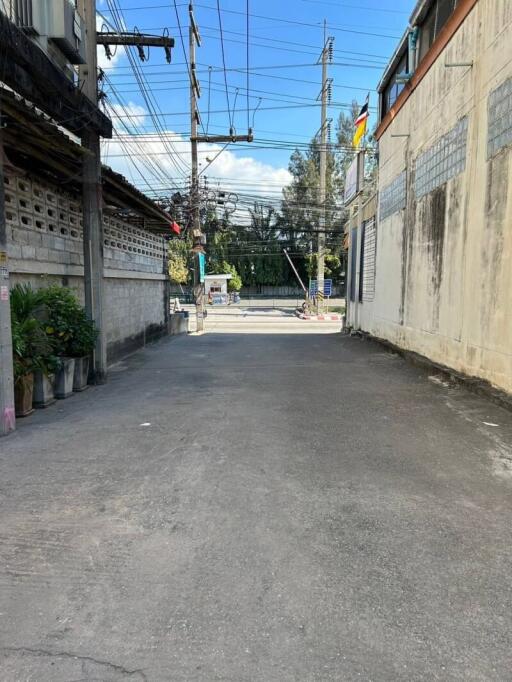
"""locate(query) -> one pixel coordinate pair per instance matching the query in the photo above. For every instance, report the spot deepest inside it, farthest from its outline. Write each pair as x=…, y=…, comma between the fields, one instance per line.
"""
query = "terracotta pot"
x=81, y=374
x=43, y=389
x=23, y=395
x=64, y=378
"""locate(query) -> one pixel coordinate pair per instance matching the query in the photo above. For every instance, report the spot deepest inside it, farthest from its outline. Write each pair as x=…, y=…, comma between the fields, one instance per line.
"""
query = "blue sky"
x=286, y=39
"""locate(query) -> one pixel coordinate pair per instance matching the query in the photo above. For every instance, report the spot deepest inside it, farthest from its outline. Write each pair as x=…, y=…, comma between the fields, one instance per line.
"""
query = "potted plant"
x=32, y=350
x=81, y=346
x=23, y=368
x=63, y=309
x=44, y=383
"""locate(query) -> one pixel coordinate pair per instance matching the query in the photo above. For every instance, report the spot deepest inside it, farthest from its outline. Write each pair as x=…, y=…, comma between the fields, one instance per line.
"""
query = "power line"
x=280, y=41
x=295, y=80
x=279, y=19
x=265, y=67
x=223, y=111
x=358, y=7
x=149, y=99
x=269, y=99
x=305, y=23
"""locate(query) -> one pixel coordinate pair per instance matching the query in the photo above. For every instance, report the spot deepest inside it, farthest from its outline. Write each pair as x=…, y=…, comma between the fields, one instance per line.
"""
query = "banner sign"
x=202, y=262
x=354, y=178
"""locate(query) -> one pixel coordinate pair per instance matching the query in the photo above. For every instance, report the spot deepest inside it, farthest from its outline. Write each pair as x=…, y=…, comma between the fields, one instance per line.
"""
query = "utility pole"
x=326, y=54
x=7, y=413
x=197, y=246
x=197, y=236
x=93, y=201
x=92, y=186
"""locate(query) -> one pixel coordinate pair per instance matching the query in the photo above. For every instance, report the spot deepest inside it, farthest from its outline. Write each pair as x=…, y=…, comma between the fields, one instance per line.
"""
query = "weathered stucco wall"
x=45, y=247
x=444, y=260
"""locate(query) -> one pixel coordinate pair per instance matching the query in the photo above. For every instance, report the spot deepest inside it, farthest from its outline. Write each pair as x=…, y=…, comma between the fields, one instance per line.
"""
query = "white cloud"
x=135, y=156
x=118, y=53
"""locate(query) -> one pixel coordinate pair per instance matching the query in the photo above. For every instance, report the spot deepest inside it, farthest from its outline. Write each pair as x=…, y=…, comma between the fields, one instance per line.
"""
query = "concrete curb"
x=330, y=317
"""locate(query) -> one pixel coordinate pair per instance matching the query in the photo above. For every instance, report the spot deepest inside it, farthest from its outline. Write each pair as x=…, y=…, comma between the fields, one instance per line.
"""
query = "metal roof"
x=32, y=136
x=418, y=14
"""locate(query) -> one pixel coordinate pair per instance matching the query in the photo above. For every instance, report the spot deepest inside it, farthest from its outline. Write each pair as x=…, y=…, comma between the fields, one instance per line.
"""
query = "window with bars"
x=393, y=196
x=368, y=260
x=499, y=131
x=353, y=263
x=445, y=159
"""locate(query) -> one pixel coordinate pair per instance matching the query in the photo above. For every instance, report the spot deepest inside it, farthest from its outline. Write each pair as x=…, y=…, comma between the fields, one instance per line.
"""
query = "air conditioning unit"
x=67, y=30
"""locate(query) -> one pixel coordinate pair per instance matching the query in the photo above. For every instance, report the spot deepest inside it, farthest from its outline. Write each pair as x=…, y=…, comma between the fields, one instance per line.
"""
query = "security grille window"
x=499, y=118
x=392, y=197
x=444, y=160
x=353, y=263
x=369, y=260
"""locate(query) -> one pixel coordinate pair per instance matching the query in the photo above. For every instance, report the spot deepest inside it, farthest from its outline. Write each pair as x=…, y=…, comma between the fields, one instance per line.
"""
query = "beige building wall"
x=444, y=262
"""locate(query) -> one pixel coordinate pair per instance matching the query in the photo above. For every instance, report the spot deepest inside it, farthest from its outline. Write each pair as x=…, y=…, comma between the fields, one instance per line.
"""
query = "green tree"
x=179, y=257
x=225, y=268
x=300, y=207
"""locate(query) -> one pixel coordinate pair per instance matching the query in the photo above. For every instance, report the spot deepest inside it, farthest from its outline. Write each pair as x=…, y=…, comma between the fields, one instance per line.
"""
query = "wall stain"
x=409, y=216
x=432, y=219
x=494, y=223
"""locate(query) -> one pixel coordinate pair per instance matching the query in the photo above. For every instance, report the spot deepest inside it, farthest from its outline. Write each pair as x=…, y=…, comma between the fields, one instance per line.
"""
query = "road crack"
x=90, y=659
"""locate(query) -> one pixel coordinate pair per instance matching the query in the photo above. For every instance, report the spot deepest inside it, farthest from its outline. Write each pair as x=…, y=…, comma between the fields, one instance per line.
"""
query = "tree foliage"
x=179, y=255
x=225, y=268
x=255, y=249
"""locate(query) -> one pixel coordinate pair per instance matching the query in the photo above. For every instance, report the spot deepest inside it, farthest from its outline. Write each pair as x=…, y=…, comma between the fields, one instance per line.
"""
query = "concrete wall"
x=444, y=275
x=45, y=247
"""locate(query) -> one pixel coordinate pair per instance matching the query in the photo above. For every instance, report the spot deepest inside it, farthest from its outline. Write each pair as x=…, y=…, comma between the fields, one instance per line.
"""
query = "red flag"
x=175, y=227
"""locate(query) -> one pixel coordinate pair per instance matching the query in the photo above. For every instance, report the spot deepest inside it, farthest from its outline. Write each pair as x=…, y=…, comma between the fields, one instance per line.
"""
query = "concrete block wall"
x=45, y=235
x=136, y=316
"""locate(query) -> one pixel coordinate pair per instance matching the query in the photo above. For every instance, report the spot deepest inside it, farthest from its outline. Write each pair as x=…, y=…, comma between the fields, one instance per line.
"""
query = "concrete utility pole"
x=93, y=201
x=323, y=176
x=195, y=94
x=92, y=187
x=7, y=416
x=197, y=248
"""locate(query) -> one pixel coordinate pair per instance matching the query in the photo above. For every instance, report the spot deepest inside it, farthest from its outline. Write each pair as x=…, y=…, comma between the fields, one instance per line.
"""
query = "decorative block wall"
x=445, y=159
x=393, y=196
x=45, y=246
x=45, y=224
x=129, y=248
x=499, y=132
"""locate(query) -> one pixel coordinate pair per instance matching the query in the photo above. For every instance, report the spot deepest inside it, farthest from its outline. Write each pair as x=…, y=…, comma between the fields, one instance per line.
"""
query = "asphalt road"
x=259, y=507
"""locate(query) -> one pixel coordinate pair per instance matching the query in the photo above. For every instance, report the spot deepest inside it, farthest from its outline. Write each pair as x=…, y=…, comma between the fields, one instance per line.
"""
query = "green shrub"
x=32, y=349
x=72, y=334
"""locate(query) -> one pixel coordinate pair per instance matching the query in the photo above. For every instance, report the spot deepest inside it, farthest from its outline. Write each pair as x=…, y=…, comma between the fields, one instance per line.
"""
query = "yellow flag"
x=360, y=123
x=359, y=134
